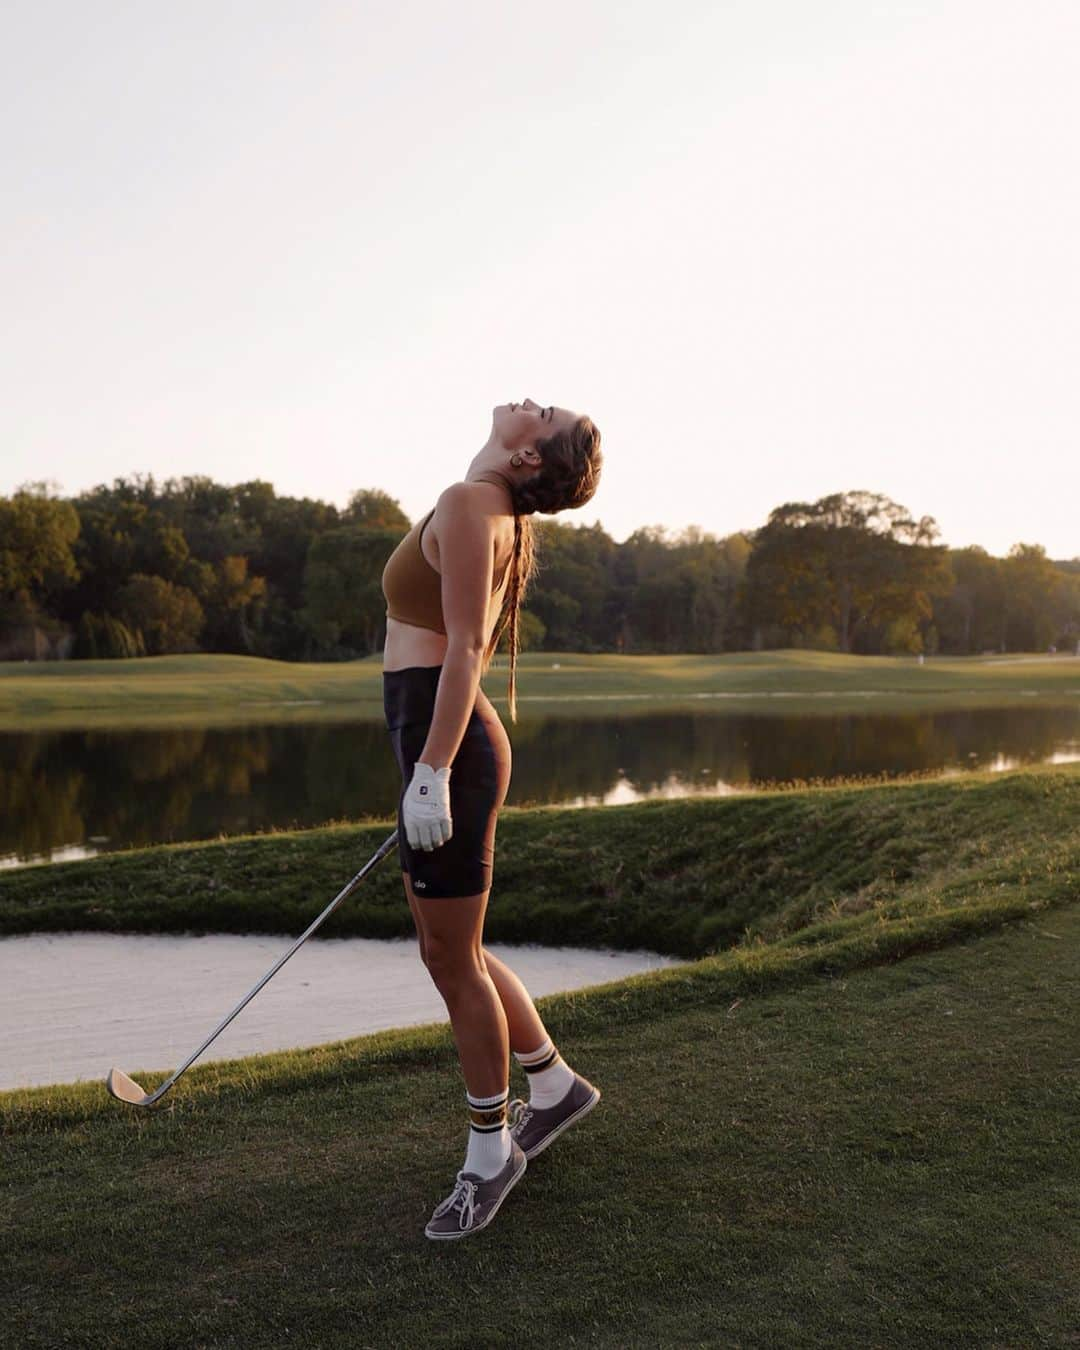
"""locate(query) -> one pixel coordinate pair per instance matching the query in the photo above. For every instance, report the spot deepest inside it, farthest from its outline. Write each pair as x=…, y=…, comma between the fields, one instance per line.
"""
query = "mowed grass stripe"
x=201, y=689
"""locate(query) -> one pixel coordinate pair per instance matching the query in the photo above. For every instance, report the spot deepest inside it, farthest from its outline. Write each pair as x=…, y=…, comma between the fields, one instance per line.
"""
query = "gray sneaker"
x=534, y=1127
x=472, y=1204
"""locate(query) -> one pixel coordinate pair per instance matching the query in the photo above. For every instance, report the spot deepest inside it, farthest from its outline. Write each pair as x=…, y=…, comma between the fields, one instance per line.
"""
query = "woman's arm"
x=466, y=559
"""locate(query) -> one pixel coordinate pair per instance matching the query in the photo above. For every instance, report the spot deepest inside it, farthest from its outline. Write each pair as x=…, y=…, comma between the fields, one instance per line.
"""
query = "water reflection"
x=83, y=792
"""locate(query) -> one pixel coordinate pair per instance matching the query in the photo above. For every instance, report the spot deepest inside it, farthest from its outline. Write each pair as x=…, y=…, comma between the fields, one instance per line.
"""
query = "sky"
x=775, y=249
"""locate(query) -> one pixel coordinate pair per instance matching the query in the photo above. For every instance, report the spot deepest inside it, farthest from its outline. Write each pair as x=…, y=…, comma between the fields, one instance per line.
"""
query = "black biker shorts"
x=464, y=864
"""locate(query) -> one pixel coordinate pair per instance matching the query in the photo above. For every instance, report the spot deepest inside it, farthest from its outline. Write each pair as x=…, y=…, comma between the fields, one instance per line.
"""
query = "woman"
x=452, y=585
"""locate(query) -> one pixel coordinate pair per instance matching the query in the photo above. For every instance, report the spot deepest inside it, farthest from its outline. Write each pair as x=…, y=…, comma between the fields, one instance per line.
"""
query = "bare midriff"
x=407, y=645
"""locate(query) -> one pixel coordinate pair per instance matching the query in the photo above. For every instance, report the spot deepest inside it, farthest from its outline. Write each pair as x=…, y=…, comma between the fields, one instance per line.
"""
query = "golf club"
x=125, y=1089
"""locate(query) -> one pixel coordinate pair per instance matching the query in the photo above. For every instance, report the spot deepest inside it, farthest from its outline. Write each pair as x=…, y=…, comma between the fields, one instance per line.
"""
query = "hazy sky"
x=775, y=248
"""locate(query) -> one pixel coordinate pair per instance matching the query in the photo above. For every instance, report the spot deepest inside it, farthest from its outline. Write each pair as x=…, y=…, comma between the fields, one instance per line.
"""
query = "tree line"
x=142, y=568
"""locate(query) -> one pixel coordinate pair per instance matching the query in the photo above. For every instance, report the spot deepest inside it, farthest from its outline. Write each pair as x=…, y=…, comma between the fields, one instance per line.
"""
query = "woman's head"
x=550, y=459
x=553, y=456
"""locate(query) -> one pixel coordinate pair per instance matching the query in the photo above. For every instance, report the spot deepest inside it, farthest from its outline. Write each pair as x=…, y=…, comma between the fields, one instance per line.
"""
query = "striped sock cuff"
x=536, y=1061
x=488, y=1114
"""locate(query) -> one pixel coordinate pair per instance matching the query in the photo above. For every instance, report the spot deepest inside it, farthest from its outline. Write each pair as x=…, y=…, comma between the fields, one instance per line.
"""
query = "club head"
x=125, y=1089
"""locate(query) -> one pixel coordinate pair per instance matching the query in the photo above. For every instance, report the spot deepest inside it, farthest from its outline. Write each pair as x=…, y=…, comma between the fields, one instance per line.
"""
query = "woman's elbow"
x=466, y=643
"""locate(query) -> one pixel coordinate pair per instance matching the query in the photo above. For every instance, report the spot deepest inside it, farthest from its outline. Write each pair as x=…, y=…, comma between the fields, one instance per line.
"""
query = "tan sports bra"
x=412, y=587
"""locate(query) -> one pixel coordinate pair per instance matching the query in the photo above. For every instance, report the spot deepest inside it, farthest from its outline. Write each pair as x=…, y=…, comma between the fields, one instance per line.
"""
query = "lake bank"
x=683, y=877
x=179, y=690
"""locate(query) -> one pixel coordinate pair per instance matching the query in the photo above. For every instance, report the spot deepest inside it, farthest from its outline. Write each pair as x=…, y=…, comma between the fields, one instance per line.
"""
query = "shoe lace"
x=519, y=1113
x=461, y=1198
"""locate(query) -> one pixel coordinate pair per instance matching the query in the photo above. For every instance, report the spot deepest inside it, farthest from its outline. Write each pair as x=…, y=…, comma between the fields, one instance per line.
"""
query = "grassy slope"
x=686, y=877
x=785, y=1155
x=804, y=1139
x=237, y=688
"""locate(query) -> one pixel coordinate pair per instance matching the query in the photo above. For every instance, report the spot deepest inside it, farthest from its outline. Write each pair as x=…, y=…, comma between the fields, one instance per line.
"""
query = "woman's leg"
x=454, y=957
x=525, y=1029
x=418, y=918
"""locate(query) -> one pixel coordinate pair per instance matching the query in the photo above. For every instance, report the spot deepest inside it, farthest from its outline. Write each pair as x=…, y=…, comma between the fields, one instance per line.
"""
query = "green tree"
x=102, y=637
x=1037, y=599
x=210, y=516
x=856, y=562
x=570, y=592
x=344, y=604
x=287, y=528
x=233, y=606
x=168, y=617
x=969, y=617
x=37, y=534
x=123, y=531
x=371, y=509
x=37, y=566
x=1069, y=637
x=530, y=633
x=678, y=593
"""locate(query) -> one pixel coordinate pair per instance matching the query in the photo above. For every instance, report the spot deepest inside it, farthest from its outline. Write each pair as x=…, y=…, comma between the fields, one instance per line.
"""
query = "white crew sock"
x=550, y=1077
x=489, y=1139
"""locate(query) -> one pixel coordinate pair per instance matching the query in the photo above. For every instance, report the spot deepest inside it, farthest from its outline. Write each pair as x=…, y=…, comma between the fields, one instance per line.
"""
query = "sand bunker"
x=74, y=1004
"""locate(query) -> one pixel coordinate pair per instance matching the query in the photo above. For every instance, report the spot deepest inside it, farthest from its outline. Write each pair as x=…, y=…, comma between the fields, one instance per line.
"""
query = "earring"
x=516, y=461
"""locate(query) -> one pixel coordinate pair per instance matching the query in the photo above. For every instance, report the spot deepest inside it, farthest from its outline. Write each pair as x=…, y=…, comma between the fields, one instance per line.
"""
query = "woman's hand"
x=425, y=808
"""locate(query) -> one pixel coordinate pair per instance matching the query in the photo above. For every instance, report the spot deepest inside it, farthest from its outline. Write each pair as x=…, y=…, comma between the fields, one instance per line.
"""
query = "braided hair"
x=567, y=479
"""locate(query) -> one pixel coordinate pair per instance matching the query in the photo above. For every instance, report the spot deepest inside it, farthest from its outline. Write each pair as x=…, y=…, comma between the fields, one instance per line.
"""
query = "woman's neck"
x=494, y=476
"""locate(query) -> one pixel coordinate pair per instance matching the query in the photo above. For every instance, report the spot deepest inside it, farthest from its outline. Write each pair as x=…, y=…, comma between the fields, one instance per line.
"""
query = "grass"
x=203, y=689
x=687, y=877
x=805, y=1143
x=850, y=1122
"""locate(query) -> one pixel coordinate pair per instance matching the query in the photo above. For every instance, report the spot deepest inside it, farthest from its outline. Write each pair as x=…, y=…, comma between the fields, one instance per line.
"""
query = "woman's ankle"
x=550, y=1077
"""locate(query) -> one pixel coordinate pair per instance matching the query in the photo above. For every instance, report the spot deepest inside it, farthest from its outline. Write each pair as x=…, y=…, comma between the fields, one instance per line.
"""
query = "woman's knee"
x=451, y=932
x=452, y=962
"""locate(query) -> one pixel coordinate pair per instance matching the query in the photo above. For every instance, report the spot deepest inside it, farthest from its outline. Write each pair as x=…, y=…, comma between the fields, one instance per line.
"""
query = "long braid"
x=515, y=607
x=568, y=478
x=522, y=568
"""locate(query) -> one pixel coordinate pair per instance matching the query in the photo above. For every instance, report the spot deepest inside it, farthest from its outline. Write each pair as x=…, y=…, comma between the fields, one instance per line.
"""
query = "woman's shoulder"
x=471, y=493
x=479, y=505
x=464, y=500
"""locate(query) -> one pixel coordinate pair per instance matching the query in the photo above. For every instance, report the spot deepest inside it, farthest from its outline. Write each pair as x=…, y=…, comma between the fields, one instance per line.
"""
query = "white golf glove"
x=425, y=808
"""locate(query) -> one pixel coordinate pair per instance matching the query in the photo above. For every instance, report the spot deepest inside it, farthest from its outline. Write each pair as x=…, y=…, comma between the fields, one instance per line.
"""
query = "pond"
x=68, y=794
x=74, y=1004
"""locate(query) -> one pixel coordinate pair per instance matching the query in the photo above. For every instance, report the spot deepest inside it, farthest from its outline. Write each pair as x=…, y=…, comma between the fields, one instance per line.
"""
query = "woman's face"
x=525, y=423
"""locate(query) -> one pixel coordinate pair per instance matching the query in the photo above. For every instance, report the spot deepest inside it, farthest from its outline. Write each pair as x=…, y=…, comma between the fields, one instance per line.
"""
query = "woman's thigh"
x=479, y=785
x=451, y=932
x=457, y=922
x=462, y=867
x=418, y=918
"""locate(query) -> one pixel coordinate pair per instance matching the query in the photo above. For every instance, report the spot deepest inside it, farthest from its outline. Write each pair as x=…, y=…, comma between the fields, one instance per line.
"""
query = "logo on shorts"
x=419, y=885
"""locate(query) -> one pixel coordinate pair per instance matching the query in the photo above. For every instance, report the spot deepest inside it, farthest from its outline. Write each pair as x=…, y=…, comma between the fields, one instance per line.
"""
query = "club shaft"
x=343, y=894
